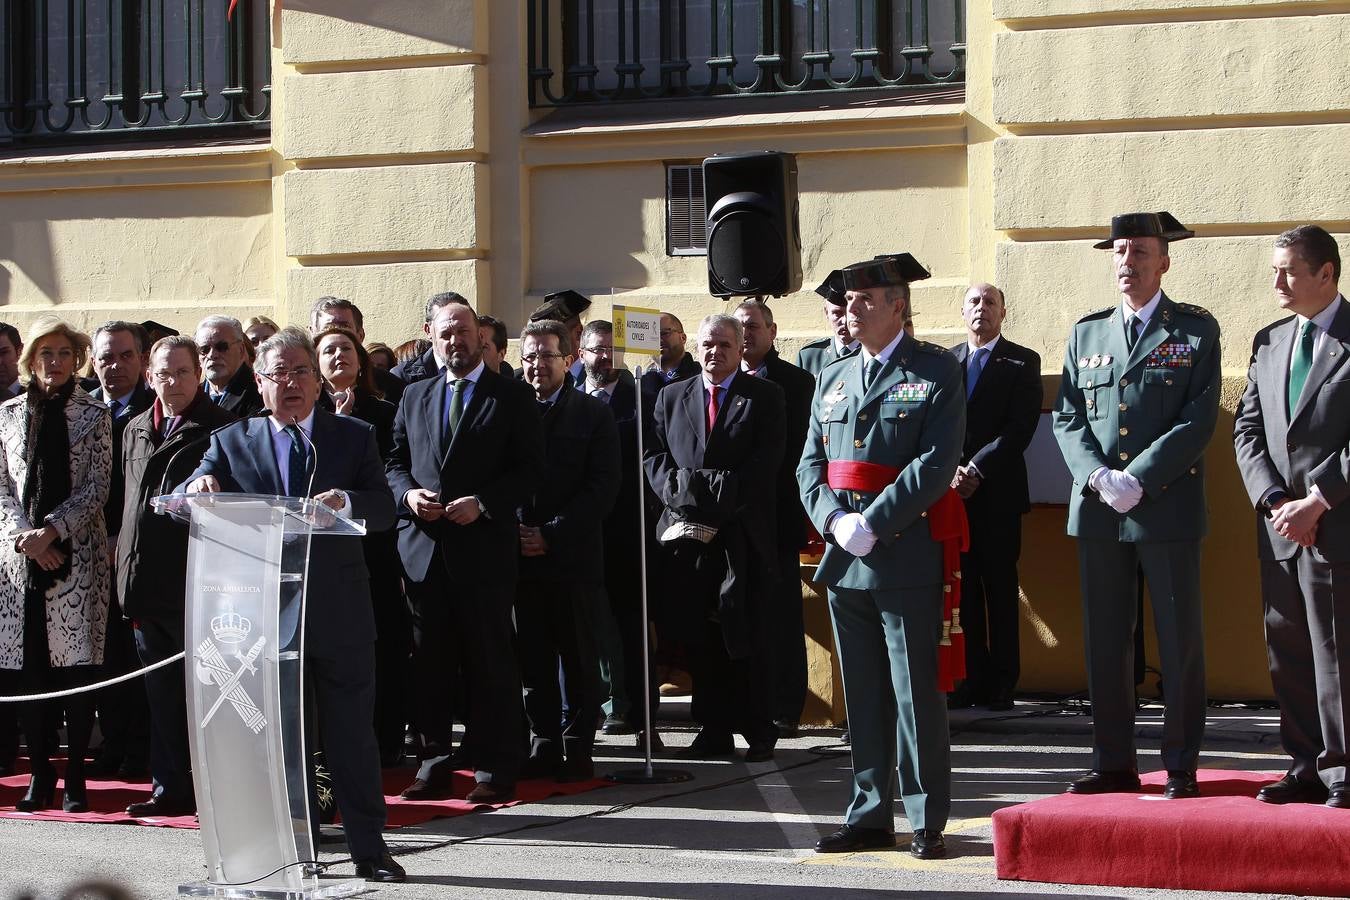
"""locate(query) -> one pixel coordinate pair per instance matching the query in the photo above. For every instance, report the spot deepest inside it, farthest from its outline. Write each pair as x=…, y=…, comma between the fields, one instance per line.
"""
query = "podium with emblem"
x=248, y=557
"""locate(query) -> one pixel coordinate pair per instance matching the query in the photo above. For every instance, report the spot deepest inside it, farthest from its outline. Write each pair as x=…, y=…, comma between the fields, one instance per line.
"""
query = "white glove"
x=851, y=533
x=1121, y=490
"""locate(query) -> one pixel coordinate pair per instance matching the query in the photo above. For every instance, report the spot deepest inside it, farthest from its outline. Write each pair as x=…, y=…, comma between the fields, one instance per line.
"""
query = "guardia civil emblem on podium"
x=229, y=632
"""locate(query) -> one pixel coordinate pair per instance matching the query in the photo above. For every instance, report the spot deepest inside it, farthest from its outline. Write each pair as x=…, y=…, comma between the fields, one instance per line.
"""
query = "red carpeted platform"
x=1225, y=840
x=108, y=799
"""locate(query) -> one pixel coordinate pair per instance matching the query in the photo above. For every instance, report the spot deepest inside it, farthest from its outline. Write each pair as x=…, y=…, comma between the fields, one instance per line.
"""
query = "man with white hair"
x=229, y=381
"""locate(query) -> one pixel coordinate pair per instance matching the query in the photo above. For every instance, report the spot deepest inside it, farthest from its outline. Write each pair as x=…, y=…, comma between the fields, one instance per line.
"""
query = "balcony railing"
x=95, y=71
x=597, y=51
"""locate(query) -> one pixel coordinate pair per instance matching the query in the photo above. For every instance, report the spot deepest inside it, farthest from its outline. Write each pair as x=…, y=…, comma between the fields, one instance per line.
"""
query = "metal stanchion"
x=647, y=774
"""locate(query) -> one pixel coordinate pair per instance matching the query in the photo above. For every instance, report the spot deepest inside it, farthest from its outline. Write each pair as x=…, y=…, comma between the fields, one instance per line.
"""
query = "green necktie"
x=455, y=410
x=870, y=371
x=1303, y=356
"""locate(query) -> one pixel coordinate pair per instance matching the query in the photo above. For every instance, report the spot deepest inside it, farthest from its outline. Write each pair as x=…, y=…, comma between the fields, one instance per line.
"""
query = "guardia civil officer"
x=819, y=353
x=1137, y=405
x=886, y=432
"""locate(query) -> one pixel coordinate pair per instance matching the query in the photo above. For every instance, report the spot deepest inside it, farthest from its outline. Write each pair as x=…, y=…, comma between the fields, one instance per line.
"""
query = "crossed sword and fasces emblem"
x=212, y=667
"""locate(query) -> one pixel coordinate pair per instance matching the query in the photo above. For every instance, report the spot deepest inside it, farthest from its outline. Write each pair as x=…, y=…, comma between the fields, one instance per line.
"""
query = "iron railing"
x=95, y=71
x=595, y=51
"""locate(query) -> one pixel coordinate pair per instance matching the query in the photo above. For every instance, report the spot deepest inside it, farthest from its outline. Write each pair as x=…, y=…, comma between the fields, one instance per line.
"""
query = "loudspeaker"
x=754, y=238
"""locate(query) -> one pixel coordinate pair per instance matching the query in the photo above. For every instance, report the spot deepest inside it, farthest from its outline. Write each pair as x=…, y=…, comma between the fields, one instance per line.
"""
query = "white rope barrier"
x=84, y=689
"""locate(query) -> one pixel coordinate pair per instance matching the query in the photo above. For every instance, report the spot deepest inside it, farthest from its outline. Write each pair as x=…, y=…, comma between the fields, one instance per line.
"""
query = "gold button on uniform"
x=825, y=439
x=924, y=514
x=1124, y=382
x=1089, y=403
x=1124, y=455
x=1124, y=407
x=857, y=443
x=1124, y=431
x=1192, y=470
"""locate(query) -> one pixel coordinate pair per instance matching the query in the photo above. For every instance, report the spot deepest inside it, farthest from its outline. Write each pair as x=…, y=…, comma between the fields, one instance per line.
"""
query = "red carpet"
x=1225, y=840
x=108, y=799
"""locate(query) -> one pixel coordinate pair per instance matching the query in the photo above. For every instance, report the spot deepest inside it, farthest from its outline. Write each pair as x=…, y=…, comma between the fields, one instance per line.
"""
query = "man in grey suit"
x=1292, y=437
x=1137, y=405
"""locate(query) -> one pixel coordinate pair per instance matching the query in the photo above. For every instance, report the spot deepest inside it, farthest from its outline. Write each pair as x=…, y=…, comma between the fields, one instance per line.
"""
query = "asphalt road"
x=735, y=832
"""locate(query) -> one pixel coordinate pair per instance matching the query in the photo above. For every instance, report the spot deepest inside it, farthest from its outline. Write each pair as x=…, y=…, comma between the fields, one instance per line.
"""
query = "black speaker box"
x=754, y=237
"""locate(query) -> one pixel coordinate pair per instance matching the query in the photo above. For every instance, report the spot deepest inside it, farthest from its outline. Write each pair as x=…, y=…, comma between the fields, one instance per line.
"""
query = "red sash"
x=947, y=524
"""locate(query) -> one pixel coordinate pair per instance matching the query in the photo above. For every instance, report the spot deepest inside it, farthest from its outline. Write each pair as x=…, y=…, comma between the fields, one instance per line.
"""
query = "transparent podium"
x=248, y=556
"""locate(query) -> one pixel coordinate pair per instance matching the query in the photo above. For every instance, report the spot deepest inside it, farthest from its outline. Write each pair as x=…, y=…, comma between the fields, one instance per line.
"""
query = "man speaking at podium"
x=300, y=451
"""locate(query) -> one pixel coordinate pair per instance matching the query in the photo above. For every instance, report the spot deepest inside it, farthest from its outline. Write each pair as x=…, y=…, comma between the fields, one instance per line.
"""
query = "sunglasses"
x=218, y=346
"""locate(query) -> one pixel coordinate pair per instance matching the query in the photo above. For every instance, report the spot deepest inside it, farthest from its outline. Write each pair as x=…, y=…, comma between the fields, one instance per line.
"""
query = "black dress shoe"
x=658, y=745
x=438, y=785
x=162, y=806
x=542, y=766
x=386, y=868
x=1001, y=700
x=709, y=746
x=1293, y=790
x=41, y=791
x=1096, y=782
x=759, y=752
x=961, y=698
x=1339, y=795
x=787, y=728
x=575, y=770
x=851, y=838
x=1181, y=785
x=928, y=843
x=617, y=724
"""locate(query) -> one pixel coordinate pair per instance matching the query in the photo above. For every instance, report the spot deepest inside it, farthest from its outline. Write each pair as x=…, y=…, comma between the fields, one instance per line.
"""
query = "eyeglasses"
x=281, y=376
x=164, y=377
x=533, y=358
x=218, y=346
x=608, y=351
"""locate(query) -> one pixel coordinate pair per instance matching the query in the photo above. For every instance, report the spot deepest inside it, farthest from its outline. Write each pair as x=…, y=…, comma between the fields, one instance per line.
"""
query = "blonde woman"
x=55, y=461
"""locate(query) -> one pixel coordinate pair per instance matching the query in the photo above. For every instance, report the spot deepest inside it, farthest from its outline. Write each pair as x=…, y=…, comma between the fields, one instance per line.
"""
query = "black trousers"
x=170, y=760
x=551, y=634
x=787, y=647
x=462, y=635
x=393, y=642
x=989, y=602
x=341, y=683
x=123, y=711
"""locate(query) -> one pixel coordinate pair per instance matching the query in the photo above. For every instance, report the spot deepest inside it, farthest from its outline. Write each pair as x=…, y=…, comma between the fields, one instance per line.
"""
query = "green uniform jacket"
x=912, y=418
x=818, y=354
x=1149, y=412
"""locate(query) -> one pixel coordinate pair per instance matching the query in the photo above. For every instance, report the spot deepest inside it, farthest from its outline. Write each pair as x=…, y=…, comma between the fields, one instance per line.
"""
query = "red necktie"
x=712, y=407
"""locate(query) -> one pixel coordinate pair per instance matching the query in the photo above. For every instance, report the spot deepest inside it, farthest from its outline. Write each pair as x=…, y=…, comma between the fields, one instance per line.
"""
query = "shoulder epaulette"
x=927, y=347
x=834, y=362
x=818, y=343
x=1192, y=309
x=1098, y=314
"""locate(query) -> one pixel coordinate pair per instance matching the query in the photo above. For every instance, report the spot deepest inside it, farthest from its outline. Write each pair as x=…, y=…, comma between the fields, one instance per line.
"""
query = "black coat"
x=1001, y=419
x=151, y=548
x=799, y=387
x=496, y=455
x=241, y=394
x=141, y=399
x=390, y=385
x=726, y=480
x=576, y=490
x=418, y=369
x=653, y=381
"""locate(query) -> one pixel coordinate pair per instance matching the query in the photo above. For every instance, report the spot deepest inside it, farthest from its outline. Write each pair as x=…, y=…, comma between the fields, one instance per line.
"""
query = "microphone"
x=314, y=457
x=192, y=443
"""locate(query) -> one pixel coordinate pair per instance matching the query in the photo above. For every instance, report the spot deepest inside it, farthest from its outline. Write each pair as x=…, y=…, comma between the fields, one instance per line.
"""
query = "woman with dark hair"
x=55, y=463
x=349, y=390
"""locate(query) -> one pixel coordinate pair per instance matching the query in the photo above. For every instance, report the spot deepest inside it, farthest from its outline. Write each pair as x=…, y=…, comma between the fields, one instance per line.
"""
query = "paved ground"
x=736, y=832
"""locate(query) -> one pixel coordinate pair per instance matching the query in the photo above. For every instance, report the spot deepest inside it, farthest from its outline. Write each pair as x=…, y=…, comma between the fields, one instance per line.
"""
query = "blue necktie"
x=977, y=361
x=297, y=476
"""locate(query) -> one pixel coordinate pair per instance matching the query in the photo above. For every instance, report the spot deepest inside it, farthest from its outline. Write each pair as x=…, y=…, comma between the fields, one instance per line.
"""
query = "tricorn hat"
x=1160, y=224
x=832, y=288
x=883, y=271
x=561, y=306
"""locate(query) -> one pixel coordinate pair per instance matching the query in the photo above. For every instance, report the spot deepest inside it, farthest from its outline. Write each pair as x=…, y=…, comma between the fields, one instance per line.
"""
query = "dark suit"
x=393, y=623
x=1001, y=417
x=241, y=395
x=654, y=380
x=576, y=490
x=339, y=621
x=417, y=369
x=1307, y=603
x=123, y=713
x=152, y=572
x=727, y=480
x=788, y=638
x=461, y=578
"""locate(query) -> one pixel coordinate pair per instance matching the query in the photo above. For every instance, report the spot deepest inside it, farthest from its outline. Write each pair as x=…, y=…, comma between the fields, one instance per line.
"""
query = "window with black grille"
x=686, y=214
